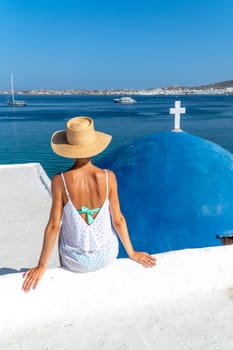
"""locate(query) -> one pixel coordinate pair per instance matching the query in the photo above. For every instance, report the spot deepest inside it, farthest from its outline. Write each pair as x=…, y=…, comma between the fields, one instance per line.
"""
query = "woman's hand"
x=32, y=278
x=144, y=259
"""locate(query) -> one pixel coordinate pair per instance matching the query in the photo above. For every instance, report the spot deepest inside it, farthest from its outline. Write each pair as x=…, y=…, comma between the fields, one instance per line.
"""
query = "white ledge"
x=185, y=302
x=24, y=211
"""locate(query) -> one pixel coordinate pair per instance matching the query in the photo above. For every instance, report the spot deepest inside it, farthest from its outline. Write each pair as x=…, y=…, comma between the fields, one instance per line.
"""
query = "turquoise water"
x=25, y=131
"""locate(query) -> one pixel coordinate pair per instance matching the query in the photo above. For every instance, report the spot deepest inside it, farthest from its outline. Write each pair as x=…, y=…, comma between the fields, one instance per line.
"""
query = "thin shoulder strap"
x=67, y=192
x=106, y=174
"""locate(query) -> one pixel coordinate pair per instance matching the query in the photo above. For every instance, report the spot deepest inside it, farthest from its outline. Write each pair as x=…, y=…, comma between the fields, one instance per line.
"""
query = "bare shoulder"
x=56, y=181
x=111, y=175
x=56, y=178
x=101, y=174
x=112, y=181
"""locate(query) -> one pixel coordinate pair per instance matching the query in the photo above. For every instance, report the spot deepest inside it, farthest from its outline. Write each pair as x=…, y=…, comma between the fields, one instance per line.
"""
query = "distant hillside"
x=220, y=85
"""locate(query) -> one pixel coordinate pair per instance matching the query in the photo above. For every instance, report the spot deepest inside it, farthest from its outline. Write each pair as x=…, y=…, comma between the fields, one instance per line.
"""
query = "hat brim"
x=61, y=147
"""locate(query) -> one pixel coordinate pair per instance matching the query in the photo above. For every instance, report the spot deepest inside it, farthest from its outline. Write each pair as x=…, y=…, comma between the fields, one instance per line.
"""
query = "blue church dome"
x=175, y=189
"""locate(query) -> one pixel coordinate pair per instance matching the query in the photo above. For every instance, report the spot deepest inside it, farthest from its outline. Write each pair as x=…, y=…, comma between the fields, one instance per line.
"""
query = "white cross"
x=177, y=111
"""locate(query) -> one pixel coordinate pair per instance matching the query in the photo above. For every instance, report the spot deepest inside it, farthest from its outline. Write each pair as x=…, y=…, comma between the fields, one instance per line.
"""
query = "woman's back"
x=87, y=186
x=87, y=240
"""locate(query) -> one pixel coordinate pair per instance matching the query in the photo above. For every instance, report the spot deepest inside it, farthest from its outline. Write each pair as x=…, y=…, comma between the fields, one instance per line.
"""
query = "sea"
x=25, y=132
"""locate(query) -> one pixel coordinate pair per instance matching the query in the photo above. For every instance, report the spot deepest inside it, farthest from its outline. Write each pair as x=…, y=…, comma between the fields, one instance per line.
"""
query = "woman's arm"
x=120, y=226
x=33, y=275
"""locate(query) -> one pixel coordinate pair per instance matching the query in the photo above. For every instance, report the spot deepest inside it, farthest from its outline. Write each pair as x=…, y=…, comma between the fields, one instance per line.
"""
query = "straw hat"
x=79, y=140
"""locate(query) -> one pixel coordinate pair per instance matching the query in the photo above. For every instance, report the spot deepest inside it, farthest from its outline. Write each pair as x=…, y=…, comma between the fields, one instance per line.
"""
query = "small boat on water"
x=125, y=100
x=11, y=101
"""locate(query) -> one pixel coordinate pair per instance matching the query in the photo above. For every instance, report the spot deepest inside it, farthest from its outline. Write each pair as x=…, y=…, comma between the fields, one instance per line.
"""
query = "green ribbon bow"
x=89, y=213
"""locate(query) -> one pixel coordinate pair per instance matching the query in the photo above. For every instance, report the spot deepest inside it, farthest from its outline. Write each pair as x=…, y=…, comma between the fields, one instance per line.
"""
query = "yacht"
x=124, y=100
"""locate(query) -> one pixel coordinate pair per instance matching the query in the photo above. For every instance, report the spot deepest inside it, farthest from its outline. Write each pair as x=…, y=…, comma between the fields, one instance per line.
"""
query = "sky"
x=105, y=44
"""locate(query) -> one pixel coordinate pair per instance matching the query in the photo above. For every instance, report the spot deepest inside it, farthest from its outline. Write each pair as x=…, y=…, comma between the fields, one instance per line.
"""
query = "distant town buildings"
x=174, y=90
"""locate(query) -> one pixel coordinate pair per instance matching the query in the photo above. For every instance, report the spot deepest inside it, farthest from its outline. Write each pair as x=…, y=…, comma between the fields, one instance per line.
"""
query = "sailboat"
x=11, y=101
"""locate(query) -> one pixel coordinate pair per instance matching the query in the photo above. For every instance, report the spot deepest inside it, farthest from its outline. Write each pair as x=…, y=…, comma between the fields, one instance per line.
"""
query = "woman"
x=85, y=200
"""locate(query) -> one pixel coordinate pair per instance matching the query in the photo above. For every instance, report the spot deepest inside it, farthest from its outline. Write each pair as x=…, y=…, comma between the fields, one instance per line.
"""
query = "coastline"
x=166, y=91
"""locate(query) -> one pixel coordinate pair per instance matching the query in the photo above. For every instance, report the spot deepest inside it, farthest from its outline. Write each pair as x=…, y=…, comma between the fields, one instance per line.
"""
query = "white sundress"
x=84, y=247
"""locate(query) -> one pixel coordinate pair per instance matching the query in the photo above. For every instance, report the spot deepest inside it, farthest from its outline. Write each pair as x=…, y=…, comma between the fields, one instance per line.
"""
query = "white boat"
x=11, y=101
x=124, y=100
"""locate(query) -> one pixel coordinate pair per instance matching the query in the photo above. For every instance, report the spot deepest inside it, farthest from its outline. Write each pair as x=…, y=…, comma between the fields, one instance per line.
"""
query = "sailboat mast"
x=11, y=100
x=12, y=88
